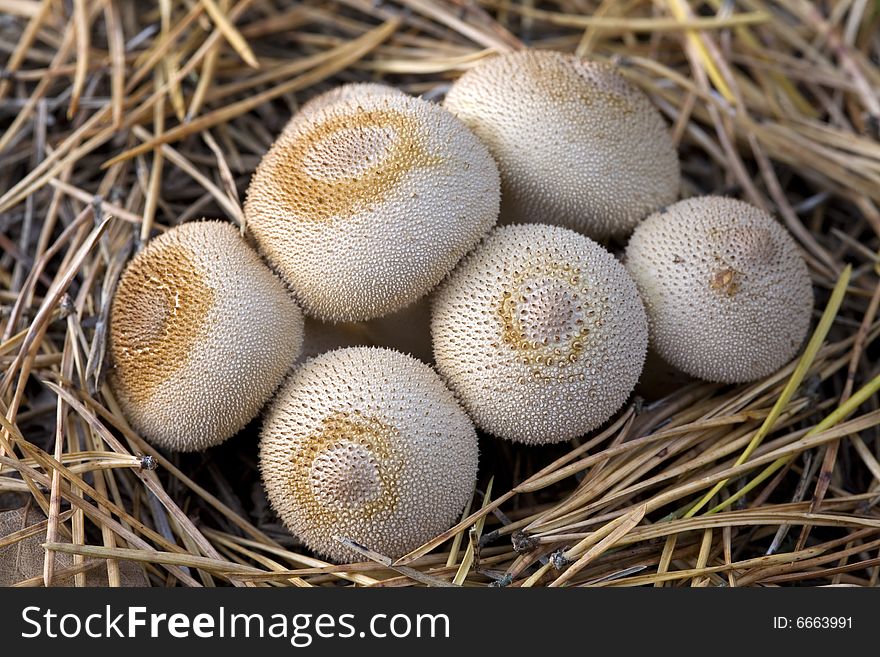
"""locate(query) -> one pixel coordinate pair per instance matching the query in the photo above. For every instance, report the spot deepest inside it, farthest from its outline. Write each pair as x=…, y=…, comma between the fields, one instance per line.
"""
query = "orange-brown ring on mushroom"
x=561, y=353
x=369, y=432
x=320, y=200
x=557, y=81
x=157, y=316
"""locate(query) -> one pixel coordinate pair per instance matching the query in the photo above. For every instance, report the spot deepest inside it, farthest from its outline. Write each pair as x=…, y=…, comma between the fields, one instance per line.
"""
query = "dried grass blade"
x=81, y=26
x=470, y=552
x=618, y=529
x=337, y=59
x=230, y=32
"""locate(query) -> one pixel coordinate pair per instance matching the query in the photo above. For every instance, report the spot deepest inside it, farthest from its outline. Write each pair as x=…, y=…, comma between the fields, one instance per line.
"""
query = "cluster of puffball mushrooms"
x=370, y=227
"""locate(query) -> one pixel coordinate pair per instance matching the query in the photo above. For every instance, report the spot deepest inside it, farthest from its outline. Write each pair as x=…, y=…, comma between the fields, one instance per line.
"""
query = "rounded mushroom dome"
x=576, y=144
x=201, y=334
x=540, y=333
x=364, y=206
x=352, y=91
x=367, y=444
x=726, y=290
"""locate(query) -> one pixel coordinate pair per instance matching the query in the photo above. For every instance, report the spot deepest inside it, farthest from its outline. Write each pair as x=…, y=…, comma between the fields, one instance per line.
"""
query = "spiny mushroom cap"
x=576, y=144
x=364, y=206
x=540, y=333
x=23, y=558
x=370, y=445
x=727, y=292
x=201, y=334
x=355, y=91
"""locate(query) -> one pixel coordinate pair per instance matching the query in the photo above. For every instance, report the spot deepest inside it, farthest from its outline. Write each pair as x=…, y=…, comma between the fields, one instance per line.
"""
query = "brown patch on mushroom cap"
x=157, y=316
x=349, y=465
x=347, y=163
x=725, y=281
x=540, y=333
x=543, y=315
x=364, y=206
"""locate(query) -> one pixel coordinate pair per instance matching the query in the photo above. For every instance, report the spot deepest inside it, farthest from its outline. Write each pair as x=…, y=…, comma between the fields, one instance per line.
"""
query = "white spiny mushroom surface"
x=367, y=444
x=577, y=145
x=345, y=92
x=540, y=333
x=726, y=290
x=201, y=335
x=365, y=205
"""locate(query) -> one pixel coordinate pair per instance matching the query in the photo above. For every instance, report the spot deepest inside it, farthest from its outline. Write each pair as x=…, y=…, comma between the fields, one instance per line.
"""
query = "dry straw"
x=118, y=121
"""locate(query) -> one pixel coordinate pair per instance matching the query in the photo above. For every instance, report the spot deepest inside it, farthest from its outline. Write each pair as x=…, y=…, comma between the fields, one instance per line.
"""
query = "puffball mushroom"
x=23, y=559
x=365, y=205
x=577, y=145
x=727, y=292
x=370, y=445
x=201, y=335
x=540, y=333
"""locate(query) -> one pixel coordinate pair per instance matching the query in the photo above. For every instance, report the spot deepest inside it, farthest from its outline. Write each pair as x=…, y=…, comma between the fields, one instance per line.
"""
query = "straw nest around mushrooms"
x=727, y=292
x=201, y=334
x=367, y=444
x=540, y=333
x=577, y=145
x=364, y=206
